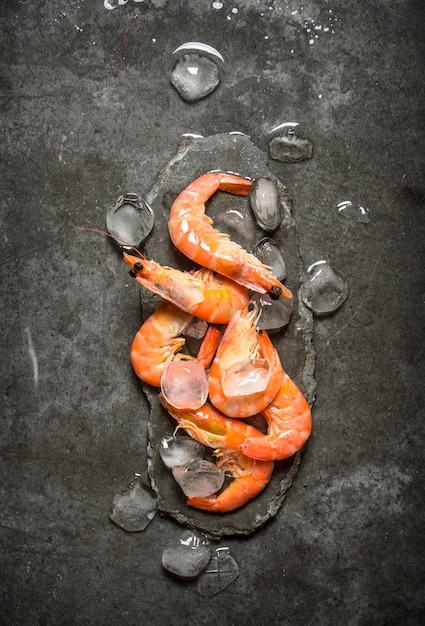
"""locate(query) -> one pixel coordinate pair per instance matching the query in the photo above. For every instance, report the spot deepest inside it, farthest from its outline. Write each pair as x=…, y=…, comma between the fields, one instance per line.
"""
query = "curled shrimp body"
x=246, y=372
x=225, y=436
x=289, y=425
x=158, y=341
x=193, y=233
x=203, y=294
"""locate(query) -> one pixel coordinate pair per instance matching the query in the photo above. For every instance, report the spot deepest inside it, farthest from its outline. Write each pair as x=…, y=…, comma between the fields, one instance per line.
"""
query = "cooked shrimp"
x=158, y=341
x=206, y=295
x=246, y=372
x=225, y=436
x=192, y=232
x=250, y=478
x=289, y=425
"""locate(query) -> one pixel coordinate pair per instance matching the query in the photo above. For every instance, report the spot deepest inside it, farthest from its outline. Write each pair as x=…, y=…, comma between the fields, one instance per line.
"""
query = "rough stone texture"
x=347, y=547
x=294, y=344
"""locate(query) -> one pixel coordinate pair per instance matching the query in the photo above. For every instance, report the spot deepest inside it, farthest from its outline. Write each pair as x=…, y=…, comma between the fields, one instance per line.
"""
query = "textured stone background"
x=77, y=131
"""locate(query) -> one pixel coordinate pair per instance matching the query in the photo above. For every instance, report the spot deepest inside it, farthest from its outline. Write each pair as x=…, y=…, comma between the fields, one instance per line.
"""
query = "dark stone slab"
x=195, y=157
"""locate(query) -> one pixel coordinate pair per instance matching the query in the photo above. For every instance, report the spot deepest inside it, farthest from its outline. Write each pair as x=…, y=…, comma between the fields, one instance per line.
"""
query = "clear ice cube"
x=134, y=508
x=275, y=314
x=288, y=144
x=246, y=377
x=323, y=289
x=184, y=384
x=195, y=73
x=200, y=478
x=219, y=573
x=130, y=220
x=265, y=203
x=187, y=557
x=179, y=451
x=268, y=252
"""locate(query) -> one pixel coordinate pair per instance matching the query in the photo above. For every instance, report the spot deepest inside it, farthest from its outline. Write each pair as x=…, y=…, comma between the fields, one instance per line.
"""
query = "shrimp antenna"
x=114, y=237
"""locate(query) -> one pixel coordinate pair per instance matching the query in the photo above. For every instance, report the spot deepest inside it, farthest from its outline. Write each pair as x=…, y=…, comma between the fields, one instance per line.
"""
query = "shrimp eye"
x=138, y=266
x=251, y=306
x=133, y=273
x=275, y=293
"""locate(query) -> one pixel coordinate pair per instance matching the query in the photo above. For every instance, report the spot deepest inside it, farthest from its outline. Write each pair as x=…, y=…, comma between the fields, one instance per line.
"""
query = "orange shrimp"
x=203, y=294
x=225, y=436
x=246, y=372
x=158, y=341
x=289, y=425
x=193, y=233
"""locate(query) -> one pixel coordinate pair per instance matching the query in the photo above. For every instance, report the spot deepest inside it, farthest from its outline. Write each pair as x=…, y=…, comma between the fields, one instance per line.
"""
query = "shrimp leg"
x=193, y=233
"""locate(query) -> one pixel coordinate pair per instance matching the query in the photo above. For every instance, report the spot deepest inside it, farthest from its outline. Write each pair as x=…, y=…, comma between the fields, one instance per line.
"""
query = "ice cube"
x=265, y=203
x=194, y=75
x=288, y=144
x=267, y=251
x=184, y=384
x=179, y=451
x=134, y=508
x=323, y=289
x=246, y=377
x=199, y=478
x=275, y=314
x=219, y=573
x=131, y=220
x=188, y=557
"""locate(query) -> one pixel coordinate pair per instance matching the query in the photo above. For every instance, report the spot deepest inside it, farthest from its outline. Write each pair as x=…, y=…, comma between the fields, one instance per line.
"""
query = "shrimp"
x=289, y=425
x=246, y=372
x=211, y=297
x=158, y=341
x=225, y=436
x=192, y=232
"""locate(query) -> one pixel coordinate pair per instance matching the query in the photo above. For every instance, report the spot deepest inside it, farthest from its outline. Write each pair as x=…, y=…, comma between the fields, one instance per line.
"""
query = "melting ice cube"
x=268, y=252
x=246, y=377
x=199, y=478
x=134, y=508
x=184, y=384
x=238, y=224
x=219, y=573
x=187, y=557
x=179, y=451
x=196, y=71
x=353, y=212
x=275, y=314
x=130, y=219
x=323, y=289
x=265, y=203
x=288, y=144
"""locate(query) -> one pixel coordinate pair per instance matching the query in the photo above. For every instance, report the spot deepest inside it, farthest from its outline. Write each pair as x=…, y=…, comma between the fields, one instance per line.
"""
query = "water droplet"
x=288, y=143
x=219, y=573
x=131, y=219
x=188, y=557
x=184, y=384
x=353, y=212
x=265, y=203
x=199, y=478
x=323, y=289
x=268, y=252
x=134, y=508
x=196, y=71
x=179, y=451
x=217, y=5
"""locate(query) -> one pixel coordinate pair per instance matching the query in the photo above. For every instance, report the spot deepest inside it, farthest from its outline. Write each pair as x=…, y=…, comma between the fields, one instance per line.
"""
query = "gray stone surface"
x=347, y=545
